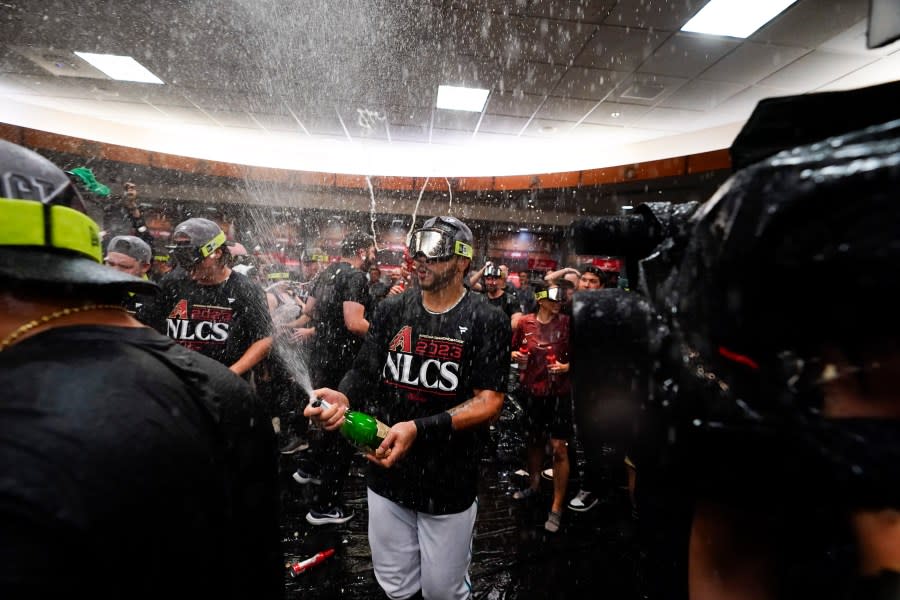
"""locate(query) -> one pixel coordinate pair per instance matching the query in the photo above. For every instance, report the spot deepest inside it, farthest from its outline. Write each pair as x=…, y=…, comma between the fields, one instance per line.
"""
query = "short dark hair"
x=354, y=242
x=600, y=273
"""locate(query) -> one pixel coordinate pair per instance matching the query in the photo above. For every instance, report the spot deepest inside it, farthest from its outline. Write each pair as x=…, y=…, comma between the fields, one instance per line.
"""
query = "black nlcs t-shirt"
x=335, y=346
x=219, y=321
x=416, y=364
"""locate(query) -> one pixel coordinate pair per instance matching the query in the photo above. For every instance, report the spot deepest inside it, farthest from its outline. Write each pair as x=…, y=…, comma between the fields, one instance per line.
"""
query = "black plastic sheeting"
x=594, y=554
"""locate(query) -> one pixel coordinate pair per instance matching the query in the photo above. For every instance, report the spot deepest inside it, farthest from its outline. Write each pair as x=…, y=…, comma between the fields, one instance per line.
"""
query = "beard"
x=439, y=282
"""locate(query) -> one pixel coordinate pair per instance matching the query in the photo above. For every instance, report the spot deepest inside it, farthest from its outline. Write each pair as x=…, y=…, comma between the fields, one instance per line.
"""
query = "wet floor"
x=592, y=555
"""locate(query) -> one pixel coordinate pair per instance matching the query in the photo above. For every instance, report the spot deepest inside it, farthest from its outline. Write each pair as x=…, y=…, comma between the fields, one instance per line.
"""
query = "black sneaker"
x=294, y=445
x=333, y=515
x=304, y=477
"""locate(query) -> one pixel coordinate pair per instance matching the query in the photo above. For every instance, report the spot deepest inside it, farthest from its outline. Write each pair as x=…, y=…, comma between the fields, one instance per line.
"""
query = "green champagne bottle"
x=362, y=430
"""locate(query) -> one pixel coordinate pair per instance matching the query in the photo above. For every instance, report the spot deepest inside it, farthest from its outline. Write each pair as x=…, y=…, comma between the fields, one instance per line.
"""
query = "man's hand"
x=330, y=418
x=520, y=358
x=397, y=443
x=303, y=334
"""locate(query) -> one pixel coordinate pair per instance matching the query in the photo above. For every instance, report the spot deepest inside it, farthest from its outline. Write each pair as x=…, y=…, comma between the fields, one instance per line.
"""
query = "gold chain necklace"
x=50, y=317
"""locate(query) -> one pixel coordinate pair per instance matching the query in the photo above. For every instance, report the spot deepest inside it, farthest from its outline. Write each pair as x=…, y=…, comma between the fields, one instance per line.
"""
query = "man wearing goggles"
x=209, y=308
x=433, y=365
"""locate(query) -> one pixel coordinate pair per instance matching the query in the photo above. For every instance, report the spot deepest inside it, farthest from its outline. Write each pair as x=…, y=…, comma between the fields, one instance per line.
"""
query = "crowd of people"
x=134, y=377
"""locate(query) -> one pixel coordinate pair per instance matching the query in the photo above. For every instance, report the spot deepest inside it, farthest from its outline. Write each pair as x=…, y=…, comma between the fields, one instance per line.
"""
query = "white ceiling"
x=349, y=86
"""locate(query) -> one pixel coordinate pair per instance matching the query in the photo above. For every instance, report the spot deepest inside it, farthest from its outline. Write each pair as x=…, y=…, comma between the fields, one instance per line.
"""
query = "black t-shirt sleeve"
x=355, y=287
x=491, y=350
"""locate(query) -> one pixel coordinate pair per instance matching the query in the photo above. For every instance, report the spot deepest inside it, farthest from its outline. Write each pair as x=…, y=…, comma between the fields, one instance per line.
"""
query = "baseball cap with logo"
x=45, y=235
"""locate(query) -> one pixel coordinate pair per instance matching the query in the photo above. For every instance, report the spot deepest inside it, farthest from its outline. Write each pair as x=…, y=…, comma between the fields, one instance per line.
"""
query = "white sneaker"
x=583, y=501
x=547, y=474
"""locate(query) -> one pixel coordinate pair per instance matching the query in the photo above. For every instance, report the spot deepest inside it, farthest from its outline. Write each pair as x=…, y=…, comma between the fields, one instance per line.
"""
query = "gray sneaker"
x=553, y=521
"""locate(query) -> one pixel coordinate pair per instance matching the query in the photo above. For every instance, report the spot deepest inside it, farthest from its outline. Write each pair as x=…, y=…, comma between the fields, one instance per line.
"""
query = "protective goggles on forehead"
x=188, y=255
x=435, y=244
x=553, y=295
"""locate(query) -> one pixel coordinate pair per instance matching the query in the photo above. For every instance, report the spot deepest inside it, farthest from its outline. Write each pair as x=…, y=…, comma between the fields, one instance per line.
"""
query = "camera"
x=712, y=368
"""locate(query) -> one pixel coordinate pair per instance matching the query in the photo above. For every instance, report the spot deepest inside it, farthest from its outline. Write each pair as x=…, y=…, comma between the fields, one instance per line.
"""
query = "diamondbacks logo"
x=180, y=311
x=402, y=341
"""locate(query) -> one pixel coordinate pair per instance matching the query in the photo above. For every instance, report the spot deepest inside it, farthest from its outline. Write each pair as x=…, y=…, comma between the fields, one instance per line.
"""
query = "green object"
x=89, y=181
x=362, y=430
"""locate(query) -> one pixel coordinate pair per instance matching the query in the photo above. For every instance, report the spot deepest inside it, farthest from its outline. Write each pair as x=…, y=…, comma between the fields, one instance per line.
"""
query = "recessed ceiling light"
x=121, y=68
x=615, y=115
x=461, y=98
x=735, y=18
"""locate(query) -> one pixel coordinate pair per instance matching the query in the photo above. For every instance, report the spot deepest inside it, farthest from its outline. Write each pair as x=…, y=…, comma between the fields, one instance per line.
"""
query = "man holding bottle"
x=434, y=366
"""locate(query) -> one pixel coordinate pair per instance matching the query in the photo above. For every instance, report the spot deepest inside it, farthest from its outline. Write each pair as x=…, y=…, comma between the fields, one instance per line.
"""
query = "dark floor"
x=593, y=555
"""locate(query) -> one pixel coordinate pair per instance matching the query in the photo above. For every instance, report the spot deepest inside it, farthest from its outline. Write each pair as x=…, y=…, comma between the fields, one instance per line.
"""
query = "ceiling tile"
x=590, y=84
x=815, y=70
x=409, y=133
x=455, y=119
x=741, y=105
x=530, y=78
x=513, y=104
x=809, y=23
x=752, y=61
x=884, y=69
x=451, y=137
x=687, y=54
x=646, y=88
x=516, y=38
x=853, y=40
x=471, y=71
x=547, y=128
x=584, y=10
x=701, y=95
x=228, y=118
x=409, y=115
x=502, y=124
x=565, y=109
x=615, y=113
x=619, y=48
x=670, y=119
x=653, y=14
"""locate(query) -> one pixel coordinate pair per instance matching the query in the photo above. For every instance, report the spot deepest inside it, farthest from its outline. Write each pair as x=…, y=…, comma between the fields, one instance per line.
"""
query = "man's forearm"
x=255, y=353
x=483, y=407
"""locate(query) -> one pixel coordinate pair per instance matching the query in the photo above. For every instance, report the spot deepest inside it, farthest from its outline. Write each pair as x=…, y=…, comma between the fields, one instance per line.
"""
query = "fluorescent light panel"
x=461, y=98
x=121, y=68
x=735, y=18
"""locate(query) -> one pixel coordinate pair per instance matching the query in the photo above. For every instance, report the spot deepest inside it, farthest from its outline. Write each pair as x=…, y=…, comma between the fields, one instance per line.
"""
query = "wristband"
x=435, y=427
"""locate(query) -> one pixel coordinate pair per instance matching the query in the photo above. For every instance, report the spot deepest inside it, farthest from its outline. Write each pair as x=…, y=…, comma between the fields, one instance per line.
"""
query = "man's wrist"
x=435, y=427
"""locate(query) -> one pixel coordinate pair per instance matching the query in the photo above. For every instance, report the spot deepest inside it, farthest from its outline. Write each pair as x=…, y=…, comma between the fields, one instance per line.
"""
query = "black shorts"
x=548, y=414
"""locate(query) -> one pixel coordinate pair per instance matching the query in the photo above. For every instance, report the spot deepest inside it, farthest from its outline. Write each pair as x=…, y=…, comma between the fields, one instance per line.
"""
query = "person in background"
x=132, y=255
x=337, y=307
x=378, y=290
x=162, y=263
x=526, y=293
x=423, y=478
x=209, y=308
x=500, y=297
x=546, y=397
x=124, y=456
